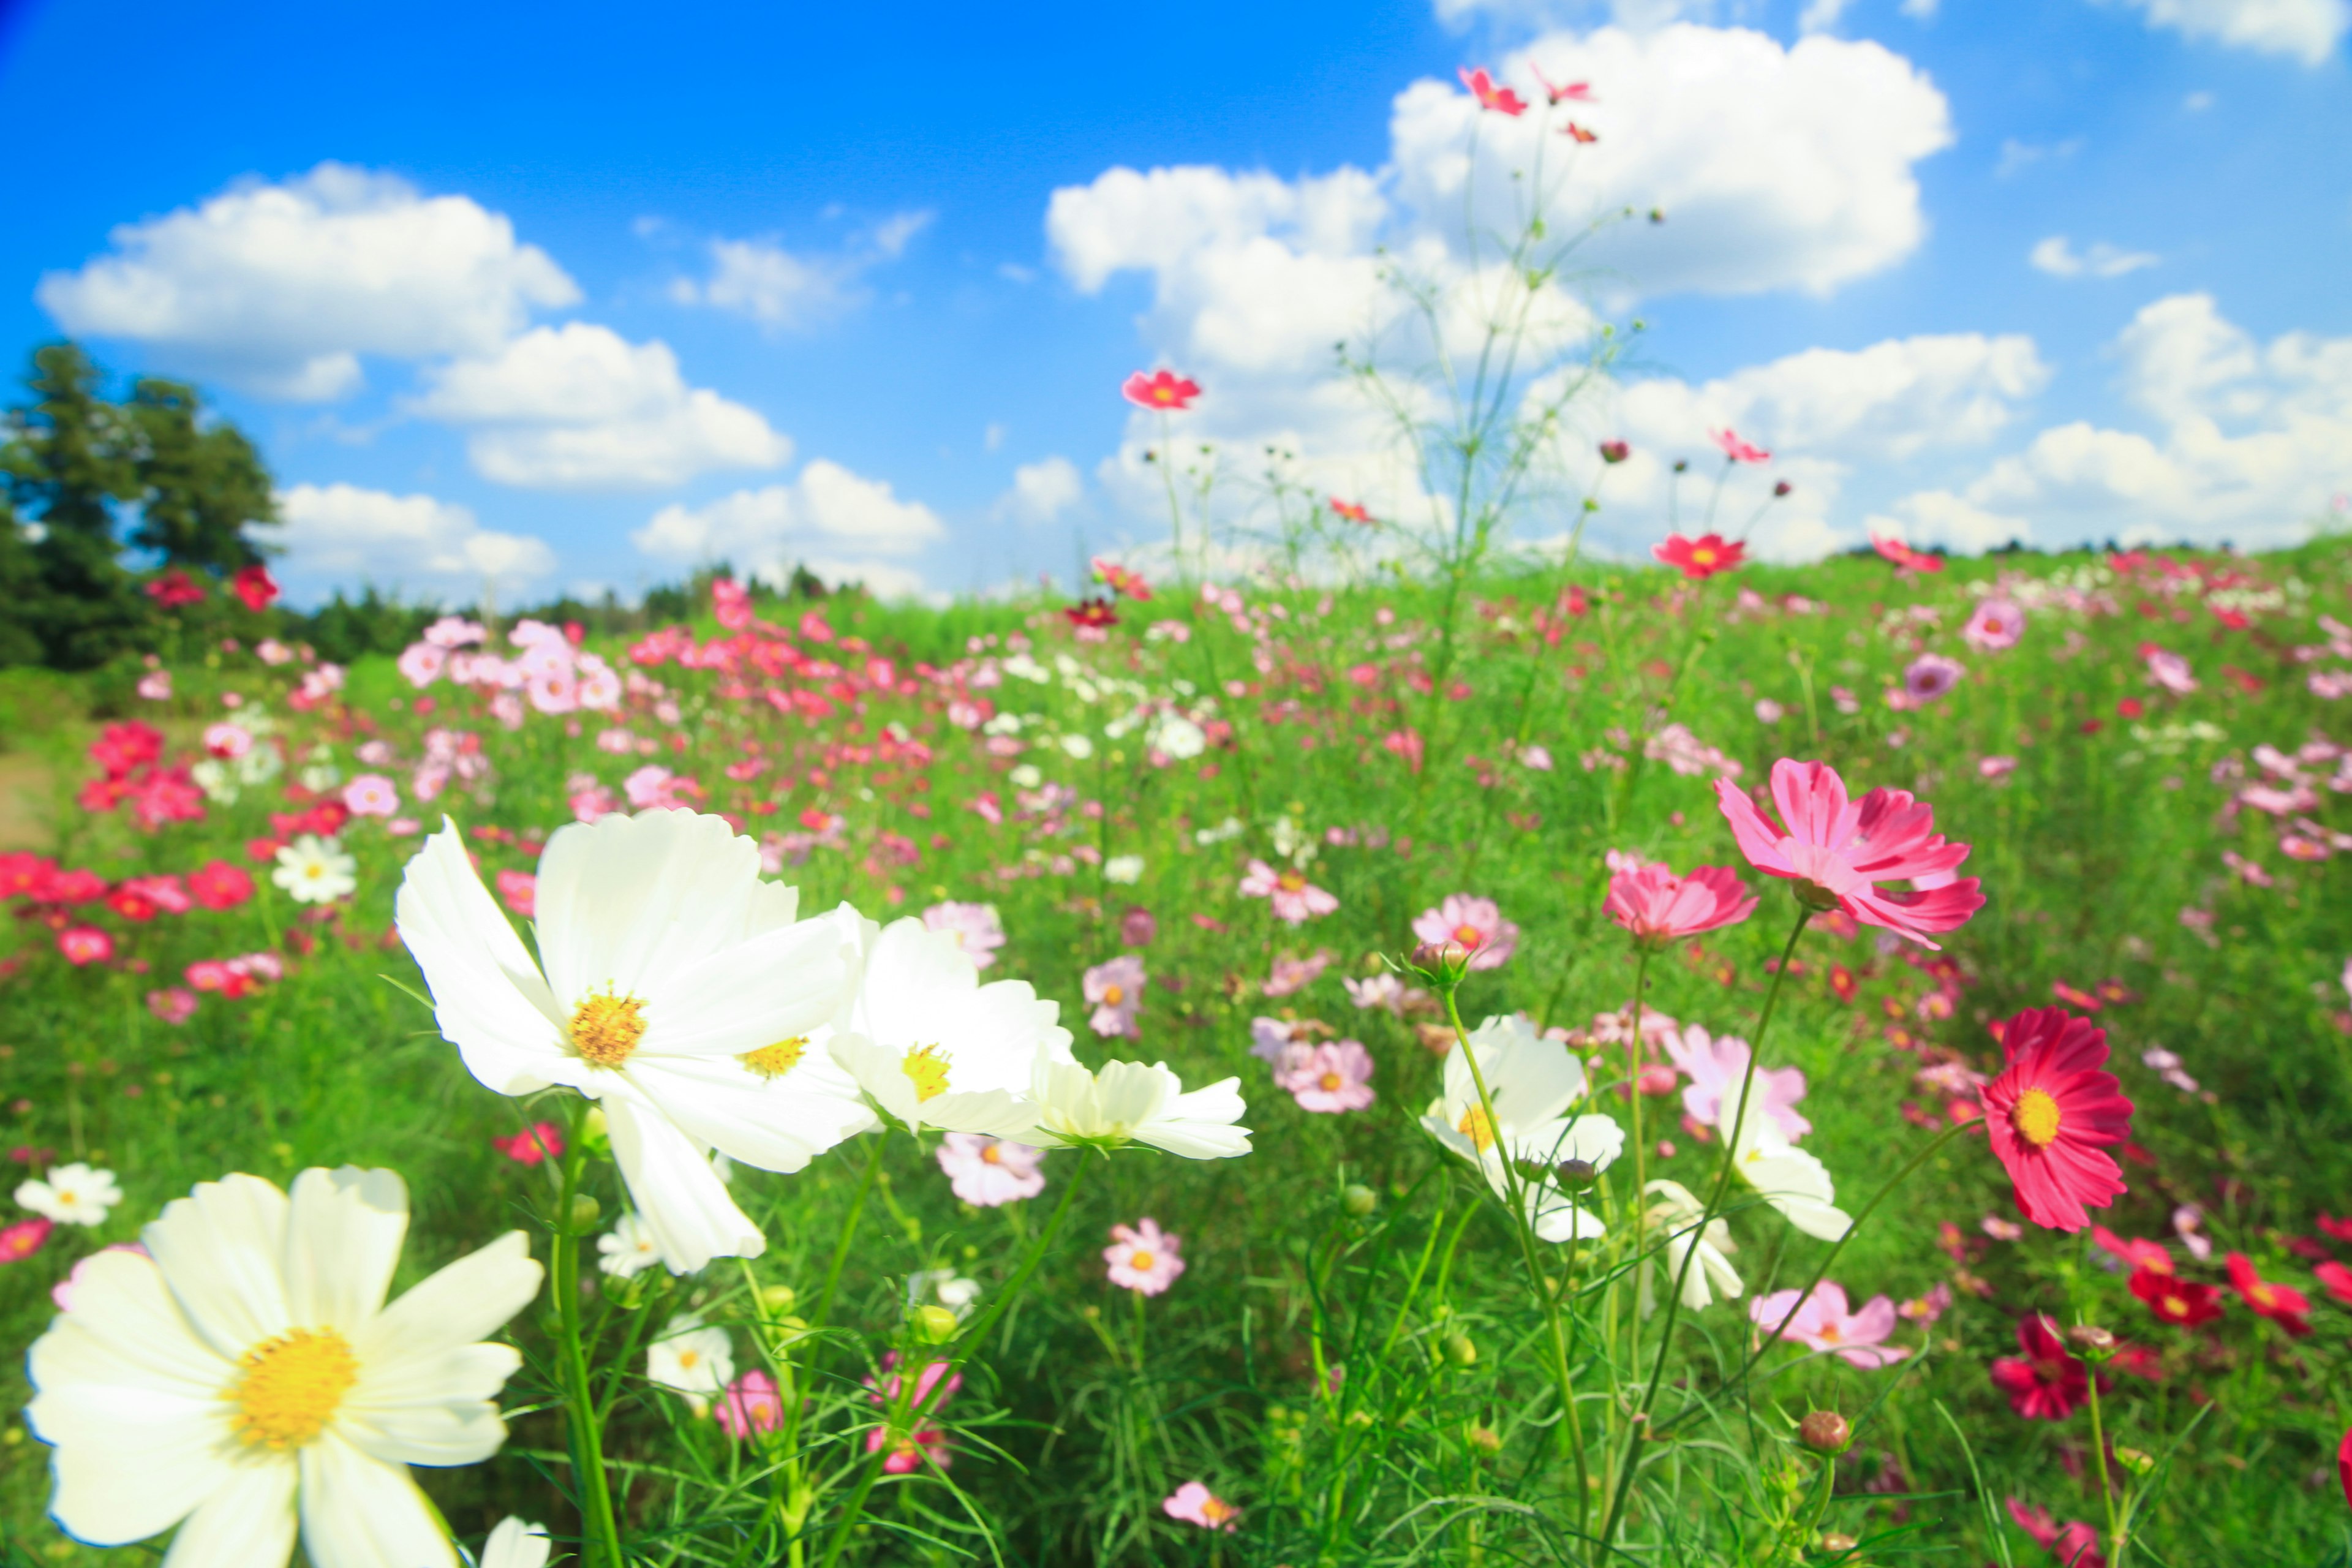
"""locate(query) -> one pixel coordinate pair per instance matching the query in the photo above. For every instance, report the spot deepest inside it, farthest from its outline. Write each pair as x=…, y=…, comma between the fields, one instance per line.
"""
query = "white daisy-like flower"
x=515, y=1544
x=1531, y=1082
x=1783, y=1175
x=691, y=1357
x=247, y=1366
x=935, y=1048
x=1676, y=1212
x=678, y=989
x=72, y=1195
x=315, y=870
x=628, y=1249
x=1128, y=1102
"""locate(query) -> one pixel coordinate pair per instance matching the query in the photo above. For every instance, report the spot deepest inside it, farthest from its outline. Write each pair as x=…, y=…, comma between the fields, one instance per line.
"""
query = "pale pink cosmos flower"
x=975, y=927
x=422, y=662
x=1333, y=1076
x=1930, y=676
x=1825, y=1324
x=1381, y=990
x=1196, y=1504
x=1716, y=1067
x=227, y=741
x=1997, y=624
x=1143, y=1257
x=1295, y=899
x=1657, y=906
x=1838, y=851
x=155, y=686
x=174, y=1004
x=909, y=1450
x=1476, y=923
x=1116, y=989
x=1996, y=768
x=1925, y=1310
x=2170, y=671
x=371, y=795
x=989, y=1173
x=749, y=1404
x=1271, y=1039
x=1292, y=974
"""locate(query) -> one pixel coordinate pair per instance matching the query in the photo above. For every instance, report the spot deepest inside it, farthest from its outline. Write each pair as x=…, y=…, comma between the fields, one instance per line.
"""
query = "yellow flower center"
x=1142, y=1262
x=315, y=870
x=1703, y=556
x=1216, y=1511
x=1476, y=1127
x=1830, y=1332
x=288, y=1388
x=774, y=1061
x=605, y=1029
x=1330, y=1082
x=2177, y=1305
x=1291, y=881
x=688, y=1359
x=1469, y=935
x=927, y=1070
x=1114, y=995
x=989, y=1156
x=2035, y=1117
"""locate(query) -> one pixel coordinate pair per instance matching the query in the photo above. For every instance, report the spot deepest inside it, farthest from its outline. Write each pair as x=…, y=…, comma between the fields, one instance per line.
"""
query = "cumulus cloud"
x=340, y=532
x=2057, y=257
x=1041, y=491
x=279, y=289
x=580, y=408
x=829, y=519
x=789, y=290
x=2307, y=30
x=2249, y=442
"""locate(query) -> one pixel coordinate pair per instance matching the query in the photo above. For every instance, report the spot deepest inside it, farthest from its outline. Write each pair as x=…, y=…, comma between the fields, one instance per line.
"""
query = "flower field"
x=1687, y=1064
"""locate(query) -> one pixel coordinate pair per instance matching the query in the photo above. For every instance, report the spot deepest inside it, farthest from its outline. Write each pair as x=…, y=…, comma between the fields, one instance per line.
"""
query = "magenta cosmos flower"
x=2053, y=1114
x=1294, y=898
x=1332, y=1076
x=1117, y=990
x=1931, y=677
x=1196, y=1504
x=1838, y=851
x=749, y=1404
x=1824, y=1324
x=2046, y=1383
x=989, y=1173
x=2073, y=1544
x=1657, y=906
x=1143, y=1257
x=1475, y=924
x=975, y=928
x=1997, y=624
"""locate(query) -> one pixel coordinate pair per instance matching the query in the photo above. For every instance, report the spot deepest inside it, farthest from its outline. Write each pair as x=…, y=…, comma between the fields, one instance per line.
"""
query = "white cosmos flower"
x=514, y=1544
x=937, y=1048
x=1783, y=1175
x=73, y=1194
x=690, y=1358
x=628, y=1249
x=1125, y=869
x=315, y=870
x=1130, y=1102
x=1677, y=1212
x=679, y=989
x=1531, y=1082
x=247, y=1362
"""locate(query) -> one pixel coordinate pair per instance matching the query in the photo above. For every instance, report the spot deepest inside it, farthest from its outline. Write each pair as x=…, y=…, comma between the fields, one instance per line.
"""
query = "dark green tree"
x=199, y=485
x=20, y=581
x=67, y=469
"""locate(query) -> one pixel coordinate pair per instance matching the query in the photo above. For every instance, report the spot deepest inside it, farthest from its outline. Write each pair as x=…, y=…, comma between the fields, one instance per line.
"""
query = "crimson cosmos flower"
x=1091, y=613
x=2344, y=1464
x=1657, y=906
x=1838, y=852
x=1699, y=558
x=1578, y=133
x=256, y=586
x=2288, y=1308
x=1905, y=558
x=1501, y=100
x=2047, y=1383
x=2180, y=1303
x=173, y=589
x=2074, y=1543
x=2051, y=1115
x=1160, y=389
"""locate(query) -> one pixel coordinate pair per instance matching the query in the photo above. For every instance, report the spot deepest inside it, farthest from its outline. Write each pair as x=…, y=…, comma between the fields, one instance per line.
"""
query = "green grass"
x=1085, y=1411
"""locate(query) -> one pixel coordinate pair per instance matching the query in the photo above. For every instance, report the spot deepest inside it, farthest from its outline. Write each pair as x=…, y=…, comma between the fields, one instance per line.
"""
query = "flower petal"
x=489, y=999
x=344, y=1233
x=220, y=1249
x=465, y=1301
x=247, y=1523
x=779, y=1124
x=738, y=998
x=359, y=1513
x=680, y=1200
x=626, y=900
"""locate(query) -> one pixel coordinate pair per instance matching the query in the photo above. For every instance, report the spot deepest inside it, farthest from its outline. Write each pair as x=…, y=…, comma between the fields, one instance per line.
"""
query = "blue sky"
x=584, y=300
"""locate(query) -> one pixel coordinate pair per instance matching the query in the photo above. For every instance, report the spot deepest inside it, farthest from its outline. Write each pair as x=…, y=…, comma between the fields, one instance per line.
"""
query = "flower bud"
x=584, y=1214
x=1485, y=1439
x=1445, y=960
x=778, y=1298
x=593, y=1137
x=1782, y=488
x=1360, y=1200
x=1576, y=1174
x=932, y=1325
x=1461, y=1349
x=786, y=1331
x=2089, y=1336
x=1614, y=452
x=2137, y=1461
x=1825, y=1432
x=1838, y=1541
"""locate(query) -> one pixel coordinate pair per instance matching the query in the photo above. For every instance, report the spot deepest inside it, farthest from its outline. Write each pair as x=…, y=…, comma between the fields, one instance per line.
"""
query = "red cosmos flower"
x=2341, y=1229
x=2047, y=1383
x=1091, y=613
x=2337, y=1278
x=2288, y=1308
x=76, y=887
x=24, y=875
x=543, y=1142
x=2073, y=1544
x=1160, y=389
x=1351, y=512
x=1736, y=450
x=1837, y=853
x=1579, y=134
x=1122, y=579
x=219, y=884
x=256, y=586
x=1657, y=906
x=2180, y=1303
x=2151, y=1256
x=1841, y=981
x=2140, y=1362
x=1699, y=558
x=1501, y=100
x=132, y=904
x=1561, y=92
x=2053, y=1114
x=21, y=1240
x=1615, y=452
x=120, y=748
x=1905, y=558
x=174, y=589
x=85, y=944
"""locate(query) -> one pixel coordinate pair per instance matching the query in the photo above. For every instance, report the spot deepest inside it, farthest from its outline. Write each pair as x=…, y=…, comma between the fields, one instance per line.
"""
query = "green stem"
x=2116, y=1545
x=848, y=1232
x=1641, y=1164
x=599, y=1525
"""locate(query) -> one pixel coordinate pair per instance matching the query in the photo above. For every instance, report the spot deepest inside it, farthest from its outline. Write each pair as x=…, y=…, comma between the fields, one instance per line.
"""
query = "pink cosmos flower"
x=519, y=890
x=85, y=944
x=371, y=795
x=2073, y=1544
x=1476, y=923
x=1196, y=1504
x=1294, y=898
x=23, y=1238
x=173, y=1005
x=1657, y=906
x=1291, y=974
x=975, y=928
x=989, y=1173
x=1718, y=1066
x=1499, y=99
x=2053, y=1114
x=1736, y=450
x=1144, y=1257
x=544, y=1141
x=1332, y=1076
x=2170, y=671
x=1160, y=389
x=749, y=1404
x=1116, y=989
x=1824, y=1324
x=1997, y=624
x=1930, y=676
x=909, y=1450
x=1904, y=557
x=422, y=662
x=1382, y=990
x=730, y=603
x=1838, y=852
x=1995, y=768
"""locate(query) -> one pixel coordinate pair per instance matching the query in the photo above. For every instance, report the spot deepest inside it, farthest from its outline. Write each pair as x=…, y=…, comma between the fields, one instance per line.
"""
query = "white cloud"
x=847, y=519
x=579, y=408
x=341, y=532
x=2251, y=441
x=783, y=288
x=2308, y=30
x=2056, y=257
x=1537, y=15
x=279, y=289
x=1041, y=491
x=2016, y=155
x=1819, y=15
